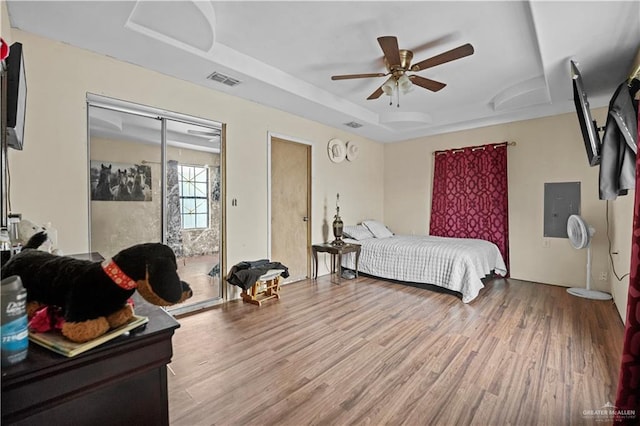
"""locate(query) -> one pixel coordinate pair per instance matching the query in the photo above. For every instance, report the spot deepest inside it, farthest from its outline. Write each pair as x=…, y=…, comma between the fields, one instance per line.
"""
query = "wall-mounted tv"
x=16, y=96
x=588, y=126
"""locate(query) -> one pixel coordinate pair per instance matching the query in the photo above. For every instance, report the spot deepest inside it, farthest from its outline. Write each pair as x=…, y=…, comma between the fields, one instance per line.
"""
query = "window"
x=193, y=182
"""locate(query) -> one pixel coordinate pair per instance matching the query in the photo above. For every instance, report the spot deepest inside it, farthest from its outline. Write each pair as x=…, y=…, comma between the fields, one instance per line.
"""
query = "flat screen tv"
x=587, y=124
x=16, y=97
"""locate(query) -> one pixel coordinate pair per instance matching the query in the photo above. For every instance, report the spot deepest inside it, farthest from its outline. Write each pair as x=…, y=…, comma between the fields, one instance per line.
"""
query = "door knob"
x=305, y=219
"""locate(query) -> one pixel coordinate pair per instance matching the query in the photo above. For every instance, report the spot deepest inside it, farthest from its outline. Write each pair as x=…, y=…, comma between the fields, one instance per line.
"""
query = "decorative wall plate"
x=337, y=150
x=353, y=150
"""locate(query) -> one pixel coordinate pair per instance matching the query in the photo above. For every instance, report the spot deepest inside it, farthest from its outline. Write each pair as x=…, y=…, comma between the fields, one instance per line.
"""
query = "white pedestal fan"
x=580, y=234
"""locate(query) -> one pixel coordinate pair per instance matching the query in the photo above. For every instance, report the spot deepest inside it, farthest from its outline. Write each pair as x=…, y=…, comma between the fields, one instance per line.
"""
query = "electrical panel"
x=561, y=200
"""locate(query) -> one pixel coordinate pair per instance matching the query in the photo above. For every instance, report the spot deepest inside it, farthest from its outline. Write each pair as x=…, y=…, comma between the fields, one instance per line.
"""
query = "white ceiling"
x=284, y=53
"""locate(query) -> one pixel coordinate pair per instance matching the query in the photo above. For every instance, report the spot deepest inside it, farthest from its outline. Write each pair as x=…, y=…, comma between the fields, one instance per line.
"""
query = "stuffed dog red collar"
x=117, y=276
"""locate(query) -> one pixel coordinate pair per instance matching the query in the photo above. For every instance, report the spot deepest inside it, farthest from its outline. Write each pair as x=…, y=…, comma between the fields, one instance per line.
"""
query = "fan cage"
x=578, y=232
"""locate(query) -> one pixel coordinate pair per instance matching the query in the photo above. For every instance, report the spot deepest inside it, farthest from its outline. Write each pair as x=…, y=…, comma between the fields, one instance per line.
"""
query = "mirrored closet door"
x=156, y=177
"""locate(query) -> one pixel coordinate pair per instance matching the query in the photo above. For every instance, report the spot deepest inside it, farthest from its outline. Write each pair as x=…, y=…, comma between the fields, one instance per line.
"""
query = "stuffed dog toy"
x=93, y=295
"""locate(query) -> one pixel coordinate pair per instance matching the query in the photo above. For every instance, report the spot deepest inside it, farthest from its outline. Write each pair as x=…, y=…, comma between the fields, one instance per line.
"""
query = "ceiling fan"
x=398, y=64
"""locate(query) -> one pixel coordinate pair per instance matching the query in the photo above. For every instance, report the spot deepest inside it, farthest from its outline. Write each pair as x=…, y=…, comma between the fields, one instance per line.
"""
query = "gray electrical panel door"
x=561, y=200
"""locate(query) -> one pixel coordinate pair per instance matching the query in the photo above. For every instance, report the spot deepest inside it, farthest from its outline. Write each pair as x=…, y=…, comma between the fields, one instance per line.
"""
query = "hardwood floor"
x=375, y=352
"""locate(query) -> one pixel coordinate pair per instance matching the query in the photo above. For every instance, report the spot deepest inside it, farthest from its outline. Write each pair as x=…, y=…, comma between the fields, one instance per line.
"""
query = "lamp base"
x=589, y=294
x=337, y=230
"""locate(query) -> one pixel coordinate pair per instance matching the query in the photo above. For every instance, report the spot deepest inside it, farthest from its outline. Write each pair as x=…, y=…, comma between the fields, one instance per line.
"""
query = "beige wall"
x=49, y=177
x=548, y=150
x=621, y=223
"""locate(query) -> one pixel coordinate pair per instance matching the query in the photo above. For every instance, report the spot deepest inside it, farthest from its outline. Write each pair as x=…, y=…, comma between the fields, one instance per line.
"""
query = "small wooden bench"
x=266, y=287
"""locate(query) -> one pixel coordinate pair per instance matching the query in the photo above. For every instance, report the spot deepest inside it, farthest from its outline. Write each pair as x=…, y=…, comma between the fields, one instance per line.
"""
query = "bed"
x=457, y=264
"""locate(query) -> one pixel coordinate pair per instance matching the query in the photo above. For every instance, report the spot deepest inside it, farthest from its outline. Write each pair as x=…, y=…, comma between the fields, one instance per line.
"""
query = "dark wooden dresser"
x=123, y=382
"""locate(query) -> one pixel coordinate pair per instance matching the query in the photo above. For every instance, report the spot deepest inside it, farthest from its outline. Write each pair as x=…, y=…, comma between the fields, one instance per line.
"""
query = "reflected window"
x=193, y=182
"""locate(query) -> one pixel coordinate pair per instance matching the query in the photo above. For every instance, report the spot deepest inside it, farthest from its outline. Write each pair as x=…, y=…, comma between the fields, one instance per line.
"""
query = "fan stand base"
x=589, y=294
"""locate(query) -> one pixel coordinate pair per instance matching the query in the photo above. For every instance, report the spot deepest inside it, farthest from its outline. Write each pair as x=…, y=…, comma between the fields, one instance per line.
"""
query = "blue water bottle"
x=14, y=329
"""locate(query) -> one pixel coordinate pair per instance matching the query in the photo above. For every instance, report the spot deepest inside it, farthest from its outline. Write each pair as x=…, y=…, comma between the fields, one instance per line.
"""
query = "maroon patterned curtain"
x=470, y=197
x=628, y=398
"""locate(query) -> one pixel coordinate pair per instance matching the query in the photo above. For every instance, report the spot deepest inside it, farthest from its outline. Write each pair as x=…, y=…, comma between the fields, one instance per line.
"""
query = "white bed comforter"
x=457, y=264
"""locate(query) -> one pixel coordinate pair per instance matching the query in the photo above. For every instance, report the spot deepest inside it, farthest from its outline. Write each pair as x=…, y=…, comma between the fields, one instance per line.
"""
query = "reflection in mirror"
x=127, y=179
x=194, y=214
x=125, y=176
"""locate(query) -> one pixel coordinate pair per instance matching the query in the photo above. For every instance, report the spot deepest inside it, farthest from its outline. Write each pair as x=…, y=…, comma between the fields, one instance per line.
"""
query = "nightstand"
x=336, y=255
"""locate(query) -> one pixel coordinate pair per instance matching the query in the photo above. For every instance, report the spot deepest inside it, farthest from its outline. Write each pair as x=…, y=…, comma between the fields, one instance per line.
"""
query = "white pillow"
x=377, y=229
x=357, y=232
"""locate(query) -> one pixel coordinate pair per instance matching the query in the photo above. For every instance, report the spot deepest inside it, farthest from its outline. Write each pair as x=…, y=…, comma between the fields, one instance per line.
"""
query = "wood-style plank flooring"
x=376, y=352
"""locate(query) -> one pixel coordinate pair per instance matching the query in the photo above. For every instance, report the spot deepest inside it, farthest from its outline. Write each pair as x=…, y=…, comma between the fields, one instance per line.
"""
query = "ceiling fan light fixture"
x=405, y=84
x=398, y=63
x=389, y=86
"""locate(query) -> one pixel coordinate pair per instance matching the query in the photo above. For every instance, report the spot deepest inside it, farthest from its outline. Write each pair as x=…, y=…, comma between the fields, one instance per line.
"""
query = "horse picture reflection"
x=119, y=181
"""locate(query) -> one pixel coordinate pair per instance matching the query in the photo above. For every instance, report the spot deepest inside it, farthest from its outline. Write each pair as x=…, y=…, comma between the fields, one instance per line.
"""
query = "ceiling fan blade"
x=348, y=76
x=376, y=94
x=429, y=84
x=453, y=54
x=389, y=45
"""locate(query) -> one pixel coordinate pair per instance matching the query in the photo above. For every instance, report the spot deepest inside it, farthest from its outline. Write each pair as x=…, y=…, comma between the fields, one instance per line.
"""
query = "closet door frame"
x=100, y=101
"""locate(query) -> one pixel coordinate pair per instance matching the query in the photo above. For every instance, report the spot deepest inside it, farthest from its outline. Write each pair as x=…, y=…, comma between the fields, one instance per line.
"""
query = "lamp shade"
x=405, y=84
x=388, y=86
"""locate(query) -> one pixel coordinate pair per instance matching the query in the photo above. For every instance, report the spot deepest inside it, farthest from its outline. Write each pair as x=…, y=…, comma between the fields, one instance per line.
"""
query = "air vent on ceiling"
x=353, y=124
x=224, y=79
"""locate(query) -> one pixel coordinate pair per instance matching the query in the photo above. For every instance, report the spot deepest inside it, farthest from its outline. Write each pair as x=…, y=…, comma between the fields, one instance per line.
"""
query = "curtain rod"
x=474, y=148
